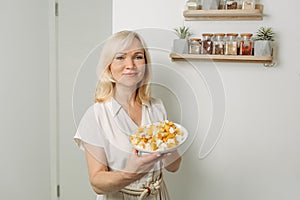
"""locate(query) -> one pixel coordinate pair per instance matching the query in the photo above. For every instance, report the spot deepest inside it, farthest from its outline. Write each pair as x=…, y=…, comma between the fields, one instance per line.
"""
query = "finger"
x=152, y=157
x=167, y=154
x=134, y=151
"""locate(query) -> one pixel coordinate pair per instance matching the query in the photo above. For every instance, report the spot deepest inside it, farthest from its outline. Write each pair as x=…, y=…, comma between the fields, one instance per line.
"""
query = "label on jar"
x=207, y=47
x=231, y=48
x=194, y=46
x=246, y=47
x=219, y=48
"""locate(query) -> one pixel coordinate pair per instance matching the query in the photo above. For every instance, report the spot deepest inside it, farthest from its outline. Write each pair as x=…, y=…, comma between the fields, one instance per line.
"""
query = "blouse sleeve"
x=88, y=131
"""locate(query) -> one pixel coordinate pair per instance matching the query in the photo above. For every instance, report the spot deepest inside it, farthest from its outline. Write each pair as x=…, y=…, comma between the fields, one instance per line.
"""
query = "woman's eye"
x=139, y=57
x=119, y=57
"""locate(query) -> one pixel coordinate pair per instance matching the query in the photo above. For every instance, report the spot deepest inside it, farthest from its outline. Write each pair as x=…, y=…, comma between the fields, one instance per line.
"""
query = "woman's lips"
x=130, y=74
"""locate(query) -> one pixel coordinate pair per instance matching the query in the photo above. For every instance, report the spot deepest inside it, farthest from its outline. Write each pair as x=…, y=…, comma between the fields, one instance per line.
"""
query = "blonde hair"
x=116, y=43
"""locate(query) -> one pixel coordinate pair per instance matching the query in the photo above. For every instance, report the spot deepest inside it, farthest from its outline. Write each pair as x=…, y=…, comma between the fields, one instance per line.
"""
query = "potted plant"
x=263, y=41
x=180, y=45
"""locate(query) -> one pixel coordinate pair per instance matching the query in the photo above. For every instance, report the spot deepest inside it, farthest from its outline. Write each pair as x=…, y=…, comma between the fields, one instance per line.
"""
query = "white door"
x=24, y=72
x=82, y=25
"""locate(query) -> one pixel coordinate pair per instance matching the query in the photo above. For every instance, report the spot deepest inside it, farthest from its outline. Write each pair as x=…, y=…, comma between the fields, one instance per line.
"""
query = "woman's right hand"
x=137, y=166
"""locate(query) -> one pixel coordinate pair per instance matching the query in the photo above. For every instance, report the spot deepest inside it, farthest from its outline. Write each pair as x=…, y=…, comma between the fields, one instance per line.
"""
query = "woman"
x=122, y=104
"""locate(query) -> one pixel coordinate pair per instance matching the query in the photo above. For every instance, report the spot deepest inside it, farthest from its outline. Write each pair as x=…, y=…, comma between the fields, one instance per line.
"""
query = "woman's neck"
x=125, y=96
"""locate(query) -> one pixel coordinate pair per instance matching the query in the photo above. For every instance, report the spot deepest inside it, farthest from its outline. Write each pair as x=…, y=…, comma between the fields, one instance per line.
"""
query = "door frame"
x=53, y=100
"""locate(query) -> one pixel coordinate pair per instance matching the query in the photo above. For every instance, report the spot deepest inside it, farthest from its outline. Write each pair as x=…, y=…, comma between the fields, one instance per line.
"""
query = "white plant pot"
x=180, y=46
x=262, y=48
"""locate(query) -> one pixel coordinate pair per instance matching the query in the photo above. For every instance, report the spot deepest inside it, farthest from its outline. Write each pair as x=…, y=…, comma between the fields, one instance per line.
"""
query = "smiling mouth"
x=130, y=74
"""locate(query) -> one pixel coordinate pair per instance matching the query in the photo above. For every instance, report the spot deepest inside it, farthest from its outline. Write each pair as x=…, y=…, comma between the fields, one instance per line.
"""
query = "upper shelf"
x=224, y=15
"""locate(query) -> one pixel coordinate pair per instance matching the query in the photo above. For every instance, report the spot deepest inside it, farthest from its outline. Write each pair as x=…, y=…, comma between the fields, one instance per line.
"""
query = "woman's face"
x=128, y=66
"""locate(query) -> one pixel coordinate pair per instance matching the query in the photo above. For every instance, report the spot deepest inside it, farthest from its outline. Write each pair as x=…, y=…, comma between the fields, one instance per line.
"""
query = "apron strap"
x=150, y=189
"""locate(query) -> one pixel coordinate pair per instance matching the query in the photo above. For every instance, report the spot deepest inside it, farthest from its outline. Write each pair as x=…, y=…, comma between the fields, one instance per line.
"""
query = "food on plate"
x=159, y=136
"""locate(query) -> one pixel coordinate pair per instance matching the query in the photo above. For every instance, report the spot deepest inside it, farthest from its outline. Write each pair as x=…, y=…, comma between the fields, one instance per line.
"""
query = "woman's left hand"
x=172, y=161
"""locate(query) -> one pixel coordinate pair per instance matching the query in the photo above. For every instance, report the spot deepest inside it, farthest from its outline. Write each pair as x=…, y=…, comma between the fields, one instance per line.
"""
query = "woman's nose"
x=130, y=63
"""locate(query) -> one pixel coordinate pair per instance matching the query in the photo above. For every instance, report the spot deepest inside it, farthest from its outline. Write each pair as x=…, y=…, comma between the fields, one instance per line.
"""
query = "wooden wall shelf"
x=221, y=58
x=222, y=15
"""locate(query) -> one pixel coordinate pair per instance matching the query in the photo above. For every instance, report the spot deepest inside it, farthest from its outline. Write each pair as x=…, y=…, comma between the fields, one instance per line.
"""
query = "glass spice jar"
x=219, y=44
x=191, y=5
x=207, y=43
x=248, y=4
x=222, y=5
x=199, y=3
x=194, y=45
x=239, y=4
x=231, y=44
x=231, y=4
x=246, y=44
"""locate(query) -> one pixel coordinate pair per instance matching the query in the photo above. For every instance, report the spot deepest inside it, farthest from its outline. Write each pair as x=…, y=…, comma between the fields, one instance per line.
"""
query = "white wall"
x=24, y=61
x=82, y=25
x=257, y=156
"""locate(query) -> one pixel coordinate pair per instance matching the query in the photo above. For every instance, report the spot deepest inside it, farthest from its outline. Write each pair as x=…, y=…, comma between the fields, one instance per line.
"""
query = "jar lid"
x=231, y=34
x=219, y=34
x=246, y=34
x=207, y=34
x=195, y=39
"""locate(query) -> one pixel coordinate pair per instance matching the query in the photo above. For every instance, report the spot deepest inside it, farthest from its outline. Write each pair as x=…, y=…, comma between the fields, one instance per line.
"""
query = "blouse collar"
x=116, y=107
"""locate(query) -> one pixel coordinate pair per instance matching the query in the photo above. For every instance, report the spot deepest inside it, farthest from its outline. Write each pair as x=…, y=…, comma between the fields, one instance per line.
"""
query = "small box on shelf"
x=222, y=14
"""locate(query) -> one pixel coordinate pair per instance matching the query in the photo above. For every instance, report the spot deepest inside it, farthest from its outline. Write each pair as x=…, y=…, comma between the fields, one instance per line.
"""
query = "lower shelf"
x=221, y=58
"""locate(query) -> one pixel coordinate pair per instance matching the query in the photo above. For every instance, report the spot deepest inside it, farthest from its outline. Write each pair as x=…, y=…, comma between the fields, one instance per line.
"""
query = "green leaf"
x=183, y=32
x=265, y=33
